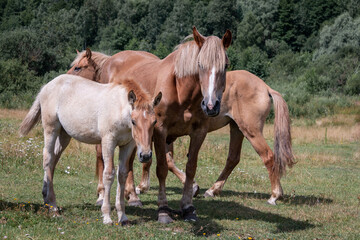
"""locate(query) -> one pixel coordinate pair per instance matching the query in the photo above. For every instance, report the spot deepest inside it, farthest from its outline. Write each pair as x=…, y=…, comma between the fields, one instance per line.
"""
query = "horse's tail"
x=282, y=142
x=31, y=118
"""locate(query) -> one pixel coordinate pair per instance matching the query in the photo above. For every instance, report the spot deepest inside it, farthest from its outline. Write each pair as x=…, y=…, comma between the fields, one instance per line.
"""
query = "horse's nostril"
x=203, y=103
x=145, y=156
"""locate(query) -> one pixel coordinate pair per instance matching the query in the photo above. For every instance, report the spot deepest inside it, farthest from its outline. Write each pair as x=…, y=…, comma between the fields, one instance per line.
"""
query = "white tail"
x=31, y=118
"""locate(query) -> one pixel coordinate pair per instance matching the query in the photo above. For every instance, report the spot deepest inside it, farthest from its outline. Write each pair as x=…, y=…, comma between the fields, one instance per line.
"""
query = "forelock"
x=212, y=54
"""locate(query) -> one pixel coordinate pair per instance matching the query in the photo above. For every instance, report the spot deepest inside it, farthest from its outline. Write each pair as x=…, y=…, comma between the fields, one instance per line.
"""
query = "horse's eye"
x=133, y=122
x=76, y=69
x=154, y=122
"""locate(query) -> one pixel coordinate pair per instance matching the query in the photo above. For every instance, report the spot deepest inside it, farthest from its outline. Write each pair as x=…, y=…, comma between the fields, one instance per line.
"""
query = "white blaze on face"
x=211, y=82
x=144, y=114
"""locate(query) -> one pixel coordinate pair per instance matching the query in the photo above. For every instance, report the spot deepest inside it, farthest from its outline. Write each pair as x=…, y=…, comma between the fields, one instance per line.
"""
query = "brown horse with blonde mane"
x=246, y=104
x=192, y=81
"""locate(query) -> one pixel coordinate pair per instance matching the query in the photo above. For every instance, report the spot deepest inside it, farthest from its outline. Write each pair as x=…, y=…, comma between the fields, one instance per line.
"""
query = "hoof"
x=272, y=201
x=196, y=190
x=208, y=194
x=189, y=214
x=163, y=215
x=99, y=202
x=164, y=218
x=136, y=203
x=125, y=223
x=107, y=221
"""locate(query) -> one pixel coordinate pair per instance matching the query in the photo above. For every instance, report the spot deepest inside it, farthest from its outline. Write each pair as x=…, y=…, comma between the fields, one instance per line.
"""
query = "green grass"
x=322, y=193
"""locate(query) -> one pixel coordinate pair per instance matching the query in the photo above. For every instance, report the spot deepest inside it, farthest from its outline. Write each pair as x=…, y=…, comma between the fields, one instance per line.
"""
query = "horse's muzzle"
x=145, y=157
x=212, y=110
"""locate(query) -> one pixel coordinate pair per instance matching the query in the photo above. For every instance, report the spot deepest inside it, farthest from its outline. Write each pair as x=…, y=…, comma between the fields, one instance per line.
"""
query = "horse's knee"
x=108, y=175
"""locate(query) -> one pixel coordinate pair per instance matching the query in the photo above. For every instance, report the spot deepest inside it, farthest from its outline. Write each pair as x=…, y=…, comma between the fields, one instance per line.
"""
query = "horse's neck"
x=188, y=90
x=101, y=75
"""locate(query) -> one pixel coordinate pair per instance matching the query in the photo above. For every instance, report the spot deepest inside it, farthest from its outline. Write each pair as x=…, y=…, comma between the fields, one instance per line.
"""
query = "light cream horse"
x=114, y=114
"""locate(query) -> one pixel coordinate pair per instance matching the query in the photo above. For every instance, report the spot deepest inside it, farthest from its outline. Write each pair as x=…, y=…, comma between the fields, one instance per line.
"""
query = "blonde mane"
x=189, y=58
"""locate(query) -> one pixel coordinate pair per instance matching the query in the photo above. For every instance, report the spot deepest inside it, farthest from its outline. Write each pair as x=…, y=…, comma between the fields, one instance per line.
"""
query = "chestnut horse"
x=72, y=106
x=191, y=79
x=246, y=104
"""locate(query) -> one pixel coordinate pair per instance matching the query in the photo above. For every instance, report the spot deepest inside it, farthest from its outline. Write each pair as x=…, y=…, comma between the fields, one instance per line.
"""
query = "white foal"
x=111, y=114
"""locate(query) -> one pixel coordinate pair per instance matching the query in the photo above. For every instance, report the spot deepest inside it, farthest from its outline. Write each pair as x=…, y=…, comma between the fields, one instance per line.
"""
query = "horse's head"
x=84, y=65
x=212, y=62
x=143, y=120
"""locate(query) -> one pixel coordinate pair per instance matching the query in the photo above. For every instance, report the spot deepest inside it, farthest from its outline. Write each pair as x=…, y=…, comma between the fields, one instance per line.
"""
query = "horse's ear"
x=226, y=40
x=88, y=53
x=157, y=99
x=132, y=98
x=199, y=39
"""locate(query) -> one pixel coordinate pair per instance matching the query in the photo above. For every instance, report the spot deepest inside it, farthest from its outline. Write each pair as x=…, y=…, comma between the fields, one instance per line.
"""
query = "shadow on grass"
x=288, y=199
x=208, y=211
x=35, y=208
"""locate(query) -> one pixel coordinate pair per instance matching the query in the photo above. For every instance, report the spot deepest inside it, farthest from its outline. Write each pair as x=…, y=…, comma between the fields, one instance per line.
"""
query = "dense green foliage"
x=308, y=50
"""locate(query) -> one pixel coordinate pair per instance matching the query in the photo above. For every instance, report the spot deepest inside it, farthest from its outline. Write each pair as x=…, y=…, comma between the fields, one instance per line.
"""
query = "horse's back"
x=134, y=65
x=84, y=108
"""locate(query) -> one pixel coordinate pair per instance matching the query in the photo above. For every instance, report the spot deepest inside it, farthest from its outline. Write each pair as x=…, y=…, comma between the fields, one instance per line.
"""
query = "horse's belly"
x=90, y=136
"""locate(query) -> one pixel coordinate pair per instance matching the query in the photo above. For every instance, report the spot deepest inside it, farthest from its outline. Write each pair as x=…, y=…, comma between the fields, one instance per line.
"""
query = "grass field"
x=322, y=191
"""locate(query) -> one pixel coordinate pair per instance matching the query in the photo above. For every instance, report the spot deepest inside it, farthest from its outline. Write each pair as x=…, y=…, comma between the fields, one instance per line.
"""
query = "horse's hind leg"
x=99, y=173
x=55, y=141
x=266, y=154
x=108, y=147
x=178, y=173
x=236, y=139
x=51, y=158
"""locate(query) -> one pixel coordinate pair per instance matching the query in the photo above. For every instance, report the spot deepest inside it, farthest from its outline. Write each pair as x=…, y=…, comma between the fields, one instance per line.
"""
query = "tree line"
x=307, y=49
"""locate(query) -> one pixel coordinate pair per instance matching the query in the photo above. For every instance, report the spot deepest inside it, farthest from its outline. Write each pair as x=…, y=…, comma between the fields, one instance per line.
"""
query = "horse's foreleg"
x=144, y=185
x=161, y=173
x=130, y=193
x=178, y=173
x=124, y=156
x=99, y=174
x=236, y=139
x=188, y=210
x=108, y=147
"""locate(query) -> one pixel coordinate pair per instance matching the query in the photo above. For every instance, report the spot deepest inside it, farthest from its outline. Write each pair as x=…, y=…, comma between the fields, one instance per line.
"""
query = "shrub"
x=353, y=84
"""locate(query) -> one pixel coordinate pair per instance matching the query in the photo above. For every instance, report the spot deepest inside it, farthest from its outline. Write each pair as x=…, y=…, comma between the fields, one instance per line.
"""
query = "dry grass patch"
x=13, y=114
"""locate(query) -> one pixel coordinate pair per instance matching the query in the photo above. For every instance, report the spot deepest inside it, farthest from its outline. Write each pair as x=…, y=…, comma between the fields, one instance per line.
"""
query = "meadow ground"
x=322, y=191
